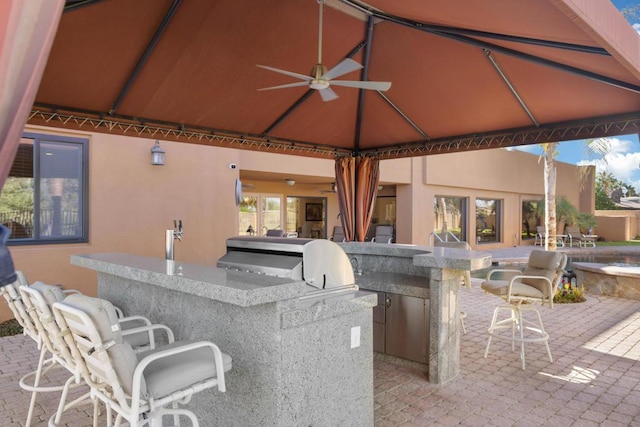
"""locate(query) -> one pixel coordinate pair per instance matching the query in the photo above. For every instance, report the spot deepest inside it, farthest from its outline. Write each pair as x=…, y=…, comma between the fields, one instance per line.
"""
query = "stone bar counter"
x=295, y=361
x=417, y=321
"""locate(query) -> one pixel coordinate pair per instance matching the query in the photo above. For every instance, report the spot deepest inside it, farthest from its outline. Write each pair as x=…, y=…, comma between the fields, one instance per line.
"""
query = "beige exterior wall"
x=506, y=175
x=618, y=225
x=131, y=202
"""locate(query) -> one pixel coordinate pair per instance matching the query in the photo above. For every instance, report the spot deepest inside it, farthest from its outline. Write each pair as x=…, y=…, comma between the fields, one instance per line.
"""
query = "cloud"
x=636, y=27
x=623, y=166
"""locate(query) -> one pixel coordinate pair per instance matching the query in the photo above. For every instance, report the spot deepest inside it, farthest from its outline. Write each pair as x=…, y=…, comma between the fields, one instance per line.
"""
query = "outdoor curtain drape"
x=345, y=180
x=356, y=197
x=366, y=193
x=27, y=30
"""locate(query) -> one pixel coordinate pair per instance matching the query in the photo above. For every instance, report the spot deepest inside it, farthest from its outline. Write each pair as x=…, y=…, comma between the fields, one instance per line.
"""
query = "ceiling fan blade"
x=298, y=84
x=286, y=73
x=381, y=86
x=328, y=94
x=344, y=67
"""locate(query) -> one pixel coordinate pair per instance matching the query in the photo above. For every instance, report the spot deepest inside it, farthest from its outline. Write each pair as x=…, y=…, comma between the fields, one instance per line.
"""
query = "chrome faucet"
x=356, y=267
x=170, y=237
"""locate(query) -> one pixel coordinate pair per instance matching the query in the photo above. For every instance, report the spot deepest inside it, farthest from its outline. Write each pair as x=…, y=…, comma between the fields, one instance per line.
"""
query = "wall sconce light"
x=290, y=182
x=157, y=155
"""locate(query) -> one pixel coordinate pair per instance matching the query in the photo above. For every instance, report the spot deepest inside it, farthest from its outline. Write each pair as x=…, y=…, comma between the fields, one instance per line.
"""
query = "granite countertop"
x=233, y=287
x=459, y=259
x=395, y=283
x=423, y=256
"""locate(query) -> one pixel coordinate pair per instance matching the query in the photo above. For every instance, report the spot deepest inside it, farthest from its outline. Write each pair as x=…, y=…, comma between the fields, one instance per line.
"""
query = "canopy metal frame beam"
x=475, y=33
x=363, y=76
x=72, y=5
x=595, y=127
x=511, y=87
x=145, y=55
x=404, y=116
x=459, y=35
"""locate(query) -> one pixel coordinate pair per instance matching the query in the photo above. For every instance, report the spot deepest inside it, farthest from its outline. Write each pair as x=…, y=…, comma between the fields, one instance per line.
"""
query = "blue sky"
x=624, y=160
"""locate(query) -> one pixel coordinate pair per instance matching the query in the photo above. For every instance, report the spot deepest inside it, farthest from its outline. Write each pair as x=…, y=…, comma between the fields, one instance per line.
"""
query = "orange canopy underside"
x=575, y=65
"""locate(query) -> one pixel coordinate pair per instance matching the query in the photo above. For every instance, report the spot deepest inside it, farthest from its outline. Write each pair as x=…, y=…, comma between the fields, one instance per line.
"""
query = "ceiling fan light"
x=318, y=84
x=290, y=182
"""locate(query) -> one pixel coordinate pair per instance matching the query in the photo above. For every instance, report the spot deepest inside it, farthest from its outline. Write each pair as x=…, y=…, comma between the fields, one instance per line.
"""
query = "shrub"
x=568, y=295
x=10, y=327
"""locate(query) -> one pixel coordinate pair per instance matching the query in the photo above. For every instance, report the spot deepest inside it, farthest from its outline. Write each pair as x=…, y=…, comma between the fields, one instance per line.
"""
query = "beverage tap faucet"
x=177, y=230
x=170, y=235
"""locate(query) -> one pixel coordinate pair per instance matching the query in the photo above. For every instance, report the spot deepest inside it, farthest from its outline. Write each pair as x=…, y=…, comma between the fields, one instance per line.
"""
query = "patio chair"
x=536, y=285
x=574, y=236
x=305, y=230
x=384, y=234
x=38, y=299
x=20, y=312
x=275, y=233
x=140, y=390
x=338, y=234
x=466, y=279
x=540, y=237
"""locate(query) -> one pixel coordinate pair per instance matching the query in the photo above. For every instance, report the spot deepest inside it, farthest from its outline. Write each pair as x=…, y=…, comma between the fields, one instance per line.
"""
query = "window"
x=450, y=217
x=44, y=199
x=530, y=218
x=488, y=220
x=259, y=213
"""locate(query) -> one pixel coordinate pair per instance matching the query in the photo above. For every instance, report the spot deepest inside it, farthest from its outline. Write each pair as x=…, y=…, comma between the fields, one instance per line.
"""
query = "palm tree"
x=549, y=152
x=598, y=146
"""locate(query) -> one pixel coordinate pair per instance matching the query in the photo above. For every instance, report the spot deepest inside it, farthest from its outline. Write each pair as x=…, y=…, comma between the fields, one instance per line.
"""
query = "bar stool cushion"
x=103, y=314
x=167, y=375
x=542, y=263
x=499, y=288
x=50, y=293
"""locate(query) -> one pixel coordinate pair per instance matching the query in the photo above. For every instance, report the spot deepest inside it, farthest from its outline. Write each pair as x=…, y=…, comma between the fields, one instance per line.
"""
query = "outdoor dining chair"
x=140, y=390
x=537, y=284
x=384, y=234
x=338, y=234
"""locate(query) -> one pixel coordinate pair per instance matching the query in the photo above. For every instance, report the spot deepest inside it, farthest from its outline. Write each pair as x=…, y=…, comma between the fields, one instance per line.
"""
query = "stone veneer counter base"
x=292, y=359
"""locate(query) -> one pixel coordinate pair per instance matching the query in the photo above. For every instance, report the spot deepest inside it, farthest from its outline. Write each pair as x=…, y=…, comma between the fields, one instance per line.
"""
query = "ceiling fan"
x=321, y=79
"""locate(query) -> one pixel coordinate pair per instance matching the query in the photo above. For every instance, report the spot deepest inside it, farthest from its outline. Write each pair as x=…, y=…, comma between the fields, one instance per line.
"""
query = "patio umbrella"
x=464, y=75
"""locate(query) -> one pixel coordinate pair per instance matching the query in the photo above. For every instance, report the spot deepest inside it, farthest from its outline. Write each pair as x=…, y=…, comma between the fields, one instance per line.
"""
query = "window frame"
x=499, y=206
x=39, y=138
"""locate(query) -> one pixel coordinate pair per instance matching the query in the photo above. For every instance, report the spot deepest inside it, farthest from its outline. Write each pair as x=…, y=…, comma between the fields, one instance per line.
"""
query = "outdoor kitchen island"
x=296, y=361
x=417, y=320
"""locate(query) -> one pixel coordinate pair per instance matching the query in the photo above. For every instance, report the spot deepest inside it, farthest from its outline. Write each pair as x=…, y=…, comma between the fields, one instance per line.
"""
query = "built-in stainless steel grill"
x=320, y=263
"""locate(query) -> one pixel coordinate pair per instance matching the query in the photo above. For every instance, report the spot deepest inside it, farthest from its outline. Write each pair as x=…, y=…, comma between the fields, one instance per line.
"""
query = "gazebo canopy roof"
x=465, y=75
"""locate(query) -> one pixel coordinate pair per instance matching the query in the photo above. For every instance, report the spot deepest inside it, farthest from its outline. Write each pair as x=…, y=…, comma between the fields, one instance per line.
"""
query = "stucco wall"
x=131, y=202
x=507, y=175
x=618, y=225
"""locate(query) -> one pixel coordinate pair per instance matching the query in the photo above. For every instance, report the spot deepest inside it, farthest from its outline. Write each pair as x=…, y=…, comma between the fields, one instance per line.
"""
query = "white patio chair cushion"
x=167, y=375
x=103, y=314
x=50, y=293
x=499, y=288
x=140, y=339
x=542, y=263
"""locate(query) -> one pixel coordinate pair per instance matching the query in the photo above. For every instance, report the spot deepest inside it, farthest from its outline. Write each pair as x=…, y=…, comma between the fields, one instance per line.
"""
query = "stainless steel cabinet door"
x=407, y=328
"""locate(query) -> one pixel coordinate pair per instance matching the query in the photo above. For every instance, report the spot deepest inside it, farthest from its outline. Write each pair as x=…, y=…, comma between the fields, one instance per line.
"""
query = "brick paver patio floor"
x=594, y=380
